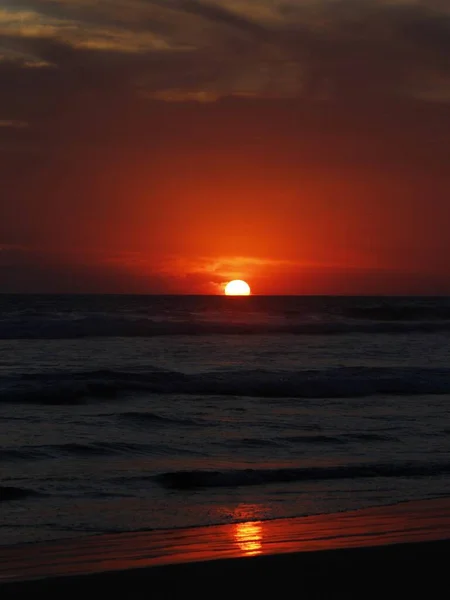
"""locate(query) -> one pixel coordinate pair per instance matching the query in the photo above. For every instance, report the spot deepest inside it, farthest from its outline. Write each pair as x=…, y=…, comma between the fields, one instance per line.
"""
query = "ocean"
x=132, y=413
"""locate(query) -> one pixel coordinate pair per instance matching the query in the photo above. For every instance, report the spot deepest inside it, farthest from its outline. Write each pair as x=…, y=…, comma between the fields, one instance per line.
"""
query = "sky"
x=168, y=146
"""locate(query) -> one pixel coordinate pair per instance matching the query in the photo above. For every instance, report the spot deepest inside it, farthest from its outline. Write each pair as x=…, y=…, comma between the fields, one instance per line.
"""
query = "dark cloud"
x=221, y=15
x=339, y=49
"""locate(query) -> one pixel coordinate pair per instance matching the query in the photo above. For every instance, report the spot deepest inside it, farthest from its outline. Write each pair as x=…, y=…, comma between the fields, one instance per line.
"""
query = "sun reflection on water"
x=248, y=537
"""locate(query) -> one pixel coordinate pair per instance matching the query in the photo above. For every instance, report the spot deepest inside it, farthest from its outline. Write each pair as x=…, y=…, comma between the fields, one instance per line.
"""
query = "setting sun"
x=237, y=288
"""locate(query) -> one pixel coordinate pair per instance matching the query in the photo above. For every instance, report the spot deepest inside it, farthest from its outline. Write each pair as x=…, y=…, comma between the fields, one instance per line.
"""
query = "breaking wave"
x=188, y=480
x=66, y=388
x=55, y=317
x=373, y=322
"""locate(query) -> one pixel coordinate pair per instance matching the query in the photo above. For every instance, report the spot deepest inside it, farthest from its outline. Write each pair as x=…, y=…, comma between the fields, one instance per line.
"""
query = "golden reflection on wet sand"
x=408, y=522
x=248, y=538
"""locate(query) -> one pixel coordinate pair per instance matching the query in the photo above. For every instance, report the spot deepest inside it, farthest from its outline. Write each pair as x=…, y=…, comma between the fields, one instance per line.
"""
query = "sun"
x=237, y=287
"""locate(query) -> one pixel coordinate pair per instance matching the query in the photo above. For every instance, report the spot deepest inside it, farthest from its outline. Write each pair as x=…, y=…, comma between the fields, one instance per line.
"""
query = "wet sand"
x=392, y=551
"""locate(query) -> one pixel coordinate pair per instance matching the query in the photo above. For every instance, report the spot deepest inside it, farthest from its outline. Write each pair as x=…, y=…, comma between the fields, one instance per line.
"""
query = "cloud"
x=209, y=275
x=79, y=33
x=219, y=13
x=32, y=269
x=13, y=124
x=210, y=49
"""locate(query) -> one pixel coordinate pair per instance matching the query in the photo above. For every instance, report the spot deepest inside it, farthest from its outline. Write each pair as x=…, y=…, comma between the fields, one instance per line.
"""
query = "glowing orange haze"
x=266, y=192
x=135, y=161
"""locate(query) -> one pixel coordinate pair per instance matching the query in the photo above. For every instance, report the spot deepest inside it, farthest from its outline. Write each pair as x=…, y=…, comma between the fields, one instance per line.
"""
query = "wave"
x=368, y=437
x=191, y=480
x=66, y=388
x=400, y=312
x=308, y=440
x=84, y=450
x=145, y=418
x=344, y=438
x=375, y=321
x=315, y=439
x=255, y=443
x=8, y=493
x=53, y=317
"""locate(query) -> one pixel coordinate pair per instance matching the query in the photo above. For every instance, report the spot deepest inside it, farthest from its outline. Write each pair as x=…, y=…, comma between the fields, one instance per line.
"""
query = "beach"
x=284, y=443
x=355, y=553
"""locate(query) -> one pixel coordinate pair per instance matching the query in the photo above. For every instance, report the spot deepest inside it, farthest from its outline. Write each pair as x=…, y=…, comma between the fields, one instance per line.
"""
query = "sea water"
x=129, y=413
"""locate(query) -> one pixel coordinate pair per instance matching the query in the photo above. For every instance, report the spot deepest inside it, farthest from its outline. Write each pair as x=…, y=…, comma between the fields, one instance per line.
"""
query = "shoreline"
x=407, y=542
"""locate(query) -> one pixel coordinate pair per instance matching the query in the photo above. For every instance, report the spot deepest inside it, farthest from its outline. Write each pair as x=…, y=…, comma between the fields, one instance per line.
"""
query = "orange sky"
x=171, y=157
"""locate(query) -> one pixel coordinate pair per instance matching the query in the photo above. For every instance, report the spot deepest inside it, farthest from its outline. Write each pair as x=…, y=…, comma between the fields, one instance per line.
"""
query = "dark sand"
x=393, y=551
